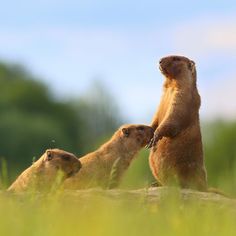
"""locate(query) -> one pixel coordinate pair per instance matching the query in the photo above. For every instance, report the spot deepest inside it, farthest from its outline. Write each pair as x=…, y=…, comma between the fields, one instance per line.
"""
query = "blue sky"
x=69, y=43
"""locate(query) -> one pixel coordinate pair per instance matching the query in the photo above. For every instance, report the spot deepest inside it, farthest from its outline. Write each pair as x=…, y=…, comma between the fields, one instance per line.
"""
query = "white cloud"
x=84, y=53
x=70, y=57
x=206, y=35
x=218, y=99
x=211, y=42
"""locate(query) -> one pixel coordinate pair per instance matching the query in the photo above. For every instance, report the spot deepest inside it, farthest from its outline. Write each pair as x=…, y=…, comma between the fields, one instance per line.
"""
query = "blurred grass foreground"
x=32, y=120
x=98, y=215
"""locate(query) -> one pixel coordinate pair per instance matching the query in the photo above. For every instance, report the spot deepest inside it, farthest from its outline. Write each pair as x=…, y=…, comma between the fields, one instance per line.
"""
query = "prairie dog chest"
x=166, y=102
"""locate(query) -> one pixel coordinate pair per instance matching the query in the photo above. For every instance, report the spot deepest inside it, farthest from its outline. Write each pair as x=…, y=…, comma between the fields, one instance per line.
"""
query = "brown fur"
x=42, y=174
x=122, y=147
x=177, y=157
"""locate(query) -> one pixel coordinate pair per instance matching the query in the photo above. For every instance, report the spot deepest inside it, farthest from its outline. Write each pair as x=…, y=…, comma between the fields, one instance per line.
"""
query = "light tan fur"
x=122, y=147
x=177, y=155
x=41, y=175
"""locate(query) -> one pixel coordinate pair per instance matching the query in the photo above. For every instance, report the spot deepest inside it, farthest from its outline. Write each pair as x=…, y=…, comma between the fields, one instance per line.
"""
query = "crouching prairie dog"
x=177, y=154
x=42, y=174
x=116, y=155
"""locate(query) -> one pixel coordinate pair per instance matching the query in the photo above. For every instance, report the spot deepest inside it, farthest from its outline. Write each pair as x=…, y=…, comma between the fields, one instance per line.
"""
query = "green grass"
x=58, y=215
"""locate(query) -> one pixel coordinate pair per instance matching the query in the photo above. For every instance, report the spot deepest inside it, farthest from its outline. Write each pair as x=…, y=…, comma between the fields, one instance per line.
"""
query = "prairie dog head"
x=136, y=136
x=56, y=159
x=177, y=67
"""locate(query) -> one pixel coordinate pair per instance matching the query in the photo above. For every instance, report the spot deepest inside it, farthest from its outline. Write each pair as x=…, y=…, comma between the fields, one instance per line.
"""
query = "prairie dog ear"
x=126, y=132
x=192, y=66
x=49, y=155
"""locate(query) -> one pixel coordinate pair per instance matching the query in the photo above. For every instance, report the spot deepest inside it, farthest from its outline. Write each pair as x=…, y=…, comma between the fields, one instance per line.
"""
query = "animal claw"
x=150, y=145
x=153, y=141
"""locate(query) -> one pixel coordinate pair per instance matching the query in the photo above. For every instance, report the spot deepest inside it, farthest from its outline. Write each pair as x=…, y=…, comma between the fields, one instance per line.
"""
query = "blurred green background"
x=32, y=119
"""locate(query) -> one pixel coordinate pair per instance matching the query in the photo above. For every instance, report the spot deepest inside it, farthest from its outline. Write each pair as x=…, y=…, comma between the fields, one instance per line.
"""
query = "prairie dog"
x=177, y=156
x=42, y=174
x=119, y=150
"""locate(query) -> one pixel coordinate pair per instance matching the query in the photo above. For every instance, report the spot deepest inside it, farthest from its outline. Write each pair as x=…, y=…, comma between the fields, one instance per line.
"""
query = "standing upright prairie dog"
x=118, y=152
x=42, y=174
x=177, y=154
